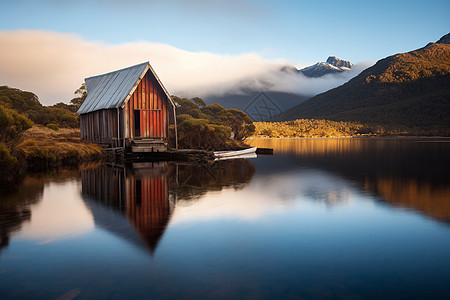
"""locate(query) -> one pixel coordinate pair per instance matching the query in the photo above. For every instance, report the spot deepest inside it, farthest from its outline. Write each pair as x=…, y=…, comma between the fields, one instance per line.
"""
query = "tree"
x=27, y=104
x=211, y=126
x=12, y=125
x=241, y=124
x=199, y=101
x=81, y=94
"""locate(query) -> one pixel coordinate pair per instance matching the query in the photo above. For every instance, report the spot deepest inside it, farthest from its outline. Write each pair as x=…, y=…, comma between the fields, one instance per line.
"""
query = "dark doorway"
x=137, y=123
x=138, y=192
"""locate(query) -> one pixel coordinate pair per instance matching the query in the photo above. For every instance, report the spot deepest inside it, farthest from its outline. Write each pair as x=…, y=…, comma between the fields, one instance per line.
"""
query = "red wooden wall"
x=151, y=102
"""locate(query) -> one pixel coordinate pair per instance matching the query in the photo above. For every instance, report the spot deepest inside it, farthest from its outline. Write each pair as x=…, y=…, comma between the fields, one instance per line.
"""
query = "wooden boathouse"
x=128, y=109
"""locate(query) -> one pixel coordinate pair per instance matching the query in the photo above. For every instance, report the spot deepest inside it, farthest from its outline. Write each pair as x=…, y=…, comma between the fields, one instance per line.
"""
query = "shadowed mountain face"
x=258, y=105
x=403, y=91
x=445, y=39
x=263, y=103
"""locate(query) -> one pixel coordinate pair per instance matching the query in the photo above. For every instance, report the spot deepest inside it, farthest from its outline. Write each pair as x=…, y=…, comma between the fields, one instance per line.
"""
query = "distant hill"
x=403, y=92
x=332, y=65
x=263, y=104
x=256, y=104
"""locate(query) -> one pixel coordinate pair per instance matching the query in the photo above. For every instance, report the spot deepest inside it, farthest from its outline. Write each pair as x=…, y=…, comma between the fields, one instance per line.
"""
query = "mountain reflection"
x=411, y=173
x=423, y=196
x=137, y=203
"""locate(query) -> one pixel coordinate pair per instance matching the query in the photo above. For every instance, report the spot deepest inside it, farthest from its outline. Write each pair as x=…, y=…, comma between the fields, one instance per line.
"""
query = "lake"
x=320, y=219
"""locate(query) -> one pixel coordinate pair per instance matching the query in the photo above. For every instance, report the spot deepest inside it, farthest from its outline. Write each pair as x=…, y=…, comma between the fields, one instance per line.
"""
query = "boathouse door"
x=148, y=123
x=137, y=123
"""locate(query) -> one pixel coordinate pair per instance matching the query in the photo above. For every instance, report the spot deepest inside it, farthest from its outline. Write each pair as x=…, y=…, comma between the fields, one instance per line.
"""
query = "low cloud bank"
x=297, y=83
x=53, y=65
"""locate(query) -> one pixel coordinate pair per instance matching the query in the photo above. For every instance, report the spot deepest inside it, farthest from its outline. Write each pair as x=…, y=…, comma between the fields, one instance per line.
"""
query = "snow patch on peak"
x=332, y=65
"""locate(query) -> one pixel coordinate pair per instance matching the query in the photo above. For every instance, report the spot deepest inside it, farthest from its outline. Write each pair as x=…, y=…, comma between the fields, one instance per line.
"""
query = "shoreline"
x=41, y=149
x=351, y=137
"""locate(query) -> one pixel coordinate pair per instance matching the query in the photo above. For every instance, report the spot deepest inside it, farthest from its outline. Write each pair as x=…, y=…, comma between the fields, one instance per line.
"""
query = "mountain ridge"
x=401, y=92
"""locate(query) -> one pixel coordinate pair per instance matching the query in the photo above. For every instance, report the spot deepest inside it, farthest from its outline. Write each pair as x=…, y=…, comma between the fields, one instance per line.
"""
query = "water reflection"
x=137, y=203
x=410, y=173
x=433, y=200
x=302, y=224
x=133, y=204
x=15, y=208
x=194, y=180
x=24, y=214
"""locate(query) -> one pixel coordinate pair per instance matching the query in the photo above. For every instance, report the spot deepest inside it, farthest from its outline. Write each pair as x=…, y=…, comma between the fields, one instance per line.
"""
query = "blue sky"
x=299, y=31
x=50, y=46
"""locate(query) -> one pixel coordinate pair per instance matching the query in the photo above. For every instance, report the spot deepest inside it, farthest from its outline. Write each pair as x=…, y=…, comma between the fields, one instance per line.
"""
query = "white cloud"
x=53, y=65
x=299, y=84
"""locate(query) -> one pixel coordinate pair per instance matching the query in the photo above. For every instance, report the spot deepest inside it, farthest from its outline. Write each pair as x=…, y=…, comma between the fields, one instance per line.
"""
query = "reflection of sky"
x=275, y=237
x=60, y=215
x=269, y=194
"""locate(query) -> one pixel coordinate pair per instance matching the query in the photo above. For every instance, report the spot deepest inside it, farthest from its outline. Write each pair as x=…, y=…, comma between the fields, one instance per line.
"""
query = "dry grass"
x=308, y=128
x=43, y=147
x=40, y=132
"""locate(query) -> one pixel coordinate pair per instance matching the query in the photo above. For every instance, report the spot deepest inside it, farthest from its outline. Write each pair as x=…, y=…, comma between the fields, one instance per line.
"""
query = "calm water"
x=322, y=218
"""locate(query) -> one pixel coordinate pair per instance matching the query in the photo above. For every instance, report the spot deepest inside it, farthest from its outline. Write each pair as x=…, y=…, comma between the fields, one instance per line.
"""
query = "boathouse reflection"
x=137, y=203
x=134, y=203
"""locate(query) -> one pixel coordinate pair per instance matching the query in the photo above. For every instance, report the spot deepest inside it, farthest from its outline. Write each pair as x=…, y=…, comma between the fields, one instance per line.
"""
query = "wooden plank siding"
x=148, y=102
x=99, y=127
x=151, y=103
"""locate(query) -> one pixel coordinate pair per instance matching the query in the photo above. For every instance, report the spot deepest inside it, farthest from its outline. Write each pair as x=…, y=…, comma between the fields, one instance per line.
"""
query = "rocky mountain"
x=407, y=92
x=262, y=103
x=332, y=65
x=340, y=63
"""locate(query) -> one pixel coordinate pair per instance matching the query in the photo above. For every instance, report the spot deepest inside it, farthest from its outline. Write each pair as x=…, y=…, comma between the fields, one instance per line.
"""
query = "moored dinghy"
x=244, y=153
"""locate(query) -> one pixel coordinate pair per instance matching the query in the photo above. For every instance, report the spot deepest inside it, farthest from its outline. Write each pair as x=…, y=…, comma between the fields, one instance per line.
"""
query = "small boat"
x=223, y=154
x=248, y=155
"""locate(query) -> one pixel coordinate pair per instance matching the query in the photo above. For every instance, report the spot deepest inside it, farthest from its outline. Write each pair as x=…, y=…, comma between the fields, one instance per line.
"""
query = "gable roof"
x=114, y=89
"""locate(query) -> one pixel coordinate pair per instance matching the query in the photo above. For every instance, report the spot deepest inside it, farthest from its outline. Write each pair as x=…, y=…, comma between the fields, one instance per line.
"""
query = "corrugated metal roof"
x=112, y=90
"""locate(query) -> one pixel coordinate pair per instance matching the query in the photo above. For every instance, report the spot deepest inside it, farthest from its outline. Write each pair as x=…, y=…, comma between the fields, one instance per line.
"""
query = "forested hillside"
x=406, y=93
x=28, y=104
x=33, y=136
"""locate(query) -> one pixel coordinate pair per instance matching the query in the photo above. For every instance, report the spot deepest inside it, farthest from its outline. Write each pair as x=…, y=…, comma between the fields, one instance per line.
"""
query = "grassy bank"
x=41, y=148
